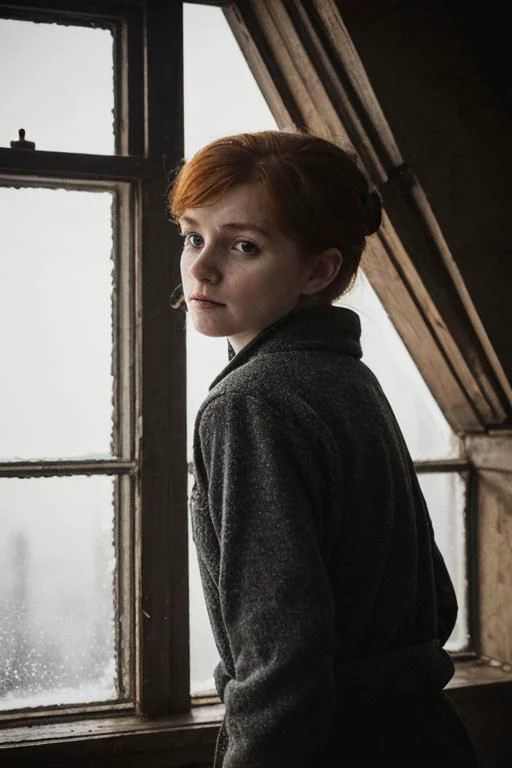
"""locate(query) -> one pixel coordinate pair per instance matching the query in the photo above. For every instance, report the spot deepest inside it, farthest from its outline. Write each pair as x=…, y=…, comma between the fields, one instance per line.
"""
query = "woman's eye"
x=247, y=247
x=193, y=239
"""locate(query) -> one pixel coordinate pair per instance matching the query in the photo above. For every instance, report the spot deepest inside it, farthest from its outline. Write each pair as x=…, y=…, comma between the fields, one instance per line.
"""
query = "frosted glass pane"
x=56, y=82
x=55, y=323
x=57, y=599
x=445, y=494
x=426, y=431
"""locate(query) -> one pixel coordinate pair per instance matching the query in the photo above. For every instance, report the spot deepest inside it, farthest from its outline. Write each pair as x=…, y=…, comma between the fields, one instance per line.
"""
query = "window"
x=92, y=447
x=67, y=443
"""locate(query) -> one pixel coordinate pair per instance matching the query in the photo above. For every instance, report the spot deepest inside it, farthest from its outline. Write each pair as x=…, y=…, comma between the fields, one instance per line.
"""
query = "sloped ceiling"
x=420, y=91
x=441, y=72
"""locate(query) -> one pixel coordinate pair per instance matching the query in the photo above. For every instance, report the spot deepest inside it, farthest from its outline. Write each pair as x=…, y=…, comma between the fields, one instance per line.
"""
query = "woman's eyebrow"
x=246, y=225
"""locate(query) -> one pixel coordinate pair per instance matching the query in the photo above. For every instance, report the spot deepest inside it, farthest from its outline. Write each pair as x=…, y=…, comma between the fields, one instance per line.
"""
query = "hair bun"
x=373, y=208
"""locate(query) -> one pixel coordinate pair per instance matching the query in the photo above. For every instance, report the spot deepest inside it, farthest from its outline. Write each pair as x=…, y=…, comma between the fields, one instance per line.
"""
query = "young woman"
x=328, y=598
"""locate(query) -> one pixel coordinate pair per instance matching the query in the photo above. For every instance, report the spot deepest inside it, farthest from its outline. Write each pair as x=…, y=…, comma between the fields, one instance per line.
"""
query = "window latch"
x=22, y=143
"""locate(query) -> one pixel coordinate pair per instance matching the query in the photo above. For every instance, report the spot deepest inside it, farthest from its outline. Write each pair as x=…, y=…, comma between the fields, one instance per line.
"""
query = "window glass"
x=57, y=558
x=57, y=84
x=220, y=93
x=445, y=494
x=426, y=431
x=55, y=324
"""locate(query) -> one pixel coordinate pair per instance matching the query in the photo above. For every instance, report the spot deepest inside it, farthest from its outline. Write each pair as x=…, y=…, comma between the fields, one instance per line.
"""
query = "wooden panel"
x=495, y=565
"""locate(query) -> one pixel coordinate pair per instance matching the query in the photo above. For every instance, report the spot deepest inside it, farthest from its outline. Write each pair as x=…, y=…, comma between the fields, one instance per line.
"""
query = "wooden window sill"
x=123, y=740
x=479, y=679
x=181, y=740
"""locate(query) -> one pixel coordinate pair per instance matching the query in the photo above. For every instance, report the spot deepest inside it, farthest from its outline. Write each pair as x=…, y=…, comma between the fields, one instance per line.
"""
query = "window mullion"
x=441, y=465
x=64, y=468
x=68, y=166
x=163, y=672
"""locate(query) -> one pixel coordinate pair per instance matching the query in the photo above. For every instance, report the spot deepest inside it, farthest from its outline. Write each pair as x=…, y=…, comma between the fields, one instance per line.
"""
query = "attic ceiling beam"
x=312, y=77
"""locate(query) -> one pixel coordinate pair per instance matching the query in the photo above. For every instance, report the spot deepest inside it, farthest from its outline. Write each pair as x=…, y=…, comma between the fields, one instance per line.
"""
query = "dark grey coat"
x=320, y=571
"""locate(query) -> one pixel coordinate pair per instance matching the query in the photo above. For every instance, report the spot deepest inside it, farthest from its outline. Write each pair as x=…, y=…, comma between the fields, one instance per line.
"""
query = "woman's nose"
x=204, y=266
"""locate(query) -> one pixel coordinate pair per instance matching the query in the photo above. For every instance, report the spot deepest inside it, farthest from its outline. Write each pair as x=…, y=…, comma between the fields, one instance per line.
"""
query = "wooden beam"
x=408, y=263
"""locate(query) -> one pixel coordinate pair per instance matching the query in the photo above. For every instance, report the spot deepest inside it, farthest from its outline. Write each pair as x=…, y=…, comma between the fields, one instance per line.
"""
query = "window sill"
x=125, y=740
x=181, y=740
x=479, y=679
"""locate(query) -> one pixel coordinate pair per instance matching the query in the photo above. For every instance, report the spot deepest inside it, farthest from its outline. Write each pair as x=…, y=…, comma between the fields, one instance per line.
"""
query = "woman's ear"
x=324, y=268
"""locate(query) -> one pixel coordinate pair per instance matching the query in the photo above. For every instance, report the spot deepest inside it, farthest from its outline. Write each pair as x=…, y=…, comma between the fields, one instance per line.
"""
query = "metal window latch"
x=22, y=143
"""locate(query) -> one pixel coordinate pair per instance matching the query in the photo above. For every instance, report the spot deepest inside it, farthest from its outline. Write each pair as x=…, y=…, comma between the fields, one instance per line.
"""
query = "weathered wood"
x=490, y=452
x=114, y=744
x=495, y=565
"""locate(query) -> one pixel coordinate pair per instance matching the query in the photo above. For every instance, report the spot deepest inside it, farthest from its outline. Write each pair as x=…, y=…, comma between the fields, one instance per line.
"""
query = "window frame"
x=151, y=535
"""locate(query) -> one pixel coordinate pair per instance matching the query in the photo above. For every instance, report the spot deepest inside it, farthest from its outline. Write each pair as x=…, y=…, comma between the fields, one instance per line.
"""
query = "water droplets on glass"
x=57, y=560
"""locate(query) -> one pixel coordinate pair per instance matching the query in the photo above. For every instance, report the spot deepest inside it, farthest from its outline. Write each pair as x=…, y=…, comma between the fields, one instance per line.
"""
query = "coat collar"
x=322, y=328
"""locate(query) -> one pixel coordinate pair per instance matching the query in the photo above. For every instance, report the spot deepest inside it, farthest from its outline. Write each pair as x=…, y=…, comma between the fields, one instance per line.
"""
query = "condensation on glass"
x=57, y=84
x=56, y=333
x=57, y=566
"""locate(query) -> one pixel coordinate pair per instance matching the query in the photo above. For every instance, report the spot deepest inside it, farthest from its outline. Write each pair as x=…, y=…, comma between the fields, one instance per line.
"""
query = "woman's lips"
x=201, y=302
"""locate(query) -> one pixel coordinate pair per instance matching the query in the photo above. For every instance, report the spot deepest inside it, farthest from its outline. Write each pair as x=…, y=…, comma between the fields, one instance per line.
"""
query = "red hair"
x=314, y=190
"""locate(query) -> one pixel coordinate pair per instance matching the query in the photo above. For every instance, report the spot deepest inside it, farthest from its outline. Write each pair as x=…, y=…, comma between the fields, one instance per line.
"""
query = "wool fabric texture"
x=321, y=575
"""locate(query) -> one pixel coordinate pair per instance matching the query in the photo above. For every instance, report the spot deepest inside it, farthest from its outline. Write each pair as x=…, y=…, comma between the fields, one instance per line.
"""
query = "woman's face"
x=240, y=273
